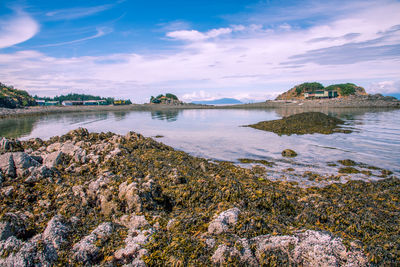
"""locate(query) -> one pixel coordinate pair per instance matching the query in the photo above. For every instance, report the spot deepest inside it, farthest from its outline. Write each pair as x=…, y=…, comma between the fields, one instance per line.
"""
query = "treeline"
x=76, y=97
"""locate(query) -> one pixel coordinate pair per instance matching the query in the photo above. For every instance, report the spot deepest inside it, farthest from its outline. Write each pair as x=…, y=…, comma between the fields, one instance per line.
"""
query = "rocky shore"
x=111, y=200
x=359, y=101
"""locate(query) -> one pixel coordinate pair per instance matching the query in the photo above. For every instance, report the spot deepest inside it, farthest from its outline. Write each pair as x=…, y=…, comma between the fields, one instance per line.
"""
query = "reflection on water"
x=14, y=128
x=216, y=134
x=168, y=115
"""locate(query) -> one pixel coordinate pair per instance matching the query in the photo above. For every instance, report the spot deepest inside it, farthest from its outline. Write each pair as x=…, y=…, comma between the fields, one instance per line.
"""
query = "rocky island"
x=303, y=123
x=111, y=200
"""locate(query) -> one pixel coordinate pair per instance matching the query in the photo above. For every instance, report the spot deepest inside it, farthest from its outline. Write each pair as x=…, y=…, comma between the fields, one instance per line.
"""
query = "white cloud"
x=17, y=29
x=193, y=35
x=385, y=87
x=252, y=61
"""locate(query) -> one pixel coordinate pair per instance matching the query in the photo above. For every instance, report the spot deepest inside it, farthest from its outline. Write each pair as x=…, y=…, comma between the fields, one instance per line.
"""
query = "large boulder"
x=40, y=250
x=7, y=165
x=23, y=162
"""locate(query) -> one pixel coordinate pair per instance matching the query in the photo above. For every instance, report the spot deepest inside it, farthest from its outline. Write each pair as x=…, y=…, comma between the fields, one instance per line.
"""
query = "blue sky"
x=250, y=50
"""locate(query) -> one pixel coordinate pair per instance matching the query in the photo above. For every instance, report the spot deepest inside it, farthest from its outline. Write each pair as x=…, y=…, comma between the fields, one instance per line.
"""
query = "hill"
x=14, y=98
x=343, y=90
x=169, y=99
x=221, y=101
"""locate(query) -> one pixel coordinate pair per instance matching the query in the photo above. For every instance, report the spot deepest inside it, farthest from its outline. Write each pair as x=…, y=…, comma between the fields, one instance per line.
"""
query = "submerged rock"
x=302, y=123
x=289, y=153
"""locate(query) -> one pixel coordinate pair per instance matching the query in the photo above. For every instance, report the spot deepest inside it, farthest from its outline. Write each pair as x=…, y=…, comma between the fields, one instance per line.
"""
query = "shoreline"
x=359, y=102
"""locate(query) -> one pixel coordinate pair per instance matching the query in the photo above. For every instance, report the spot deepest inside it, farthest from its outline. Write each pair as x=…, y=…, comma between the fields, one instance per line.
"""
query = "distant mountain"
x=221, y=101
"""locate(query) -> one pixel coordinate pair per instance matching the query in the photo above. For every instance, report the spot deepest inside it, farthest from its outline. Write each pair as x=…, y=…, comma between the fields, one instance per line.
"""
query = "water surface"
x=218, y=134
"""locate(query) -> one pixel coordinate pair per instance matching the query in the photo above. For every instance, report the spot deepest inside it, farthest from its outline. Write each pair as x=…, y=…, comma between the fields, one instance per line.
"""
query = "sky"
x=197, y=49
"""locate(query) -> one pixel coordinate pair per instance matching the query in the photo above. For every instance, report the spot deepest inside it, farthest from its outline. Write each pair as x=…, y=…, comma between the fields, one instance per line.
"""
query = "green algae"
x=303, y=123
x=263, y=162
x=349, y=170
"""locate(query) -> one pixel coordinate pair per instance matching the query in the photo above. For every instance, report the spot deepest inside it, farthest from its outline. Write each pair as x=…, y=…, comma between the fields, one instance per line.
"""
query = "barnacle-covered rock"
x=241, y=253
x=223, y=221
x=7, y=165
x=88, y=250
x=40, y=250
x=309, y=248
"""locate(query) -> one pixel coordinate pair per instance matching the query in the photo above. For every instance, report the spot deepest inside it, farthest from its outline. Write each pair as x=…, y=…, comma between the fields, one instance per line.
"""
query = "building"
x=40, y=102
x=72, y=103
x=321, y=94
x=51, y=103
x=121, y=102
x=94, y=102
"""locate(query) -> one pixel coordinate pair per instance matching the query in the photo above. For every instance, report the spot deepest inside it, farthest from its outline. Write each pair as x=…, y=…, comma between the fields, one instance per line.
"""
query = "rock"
x=40, y=250
x=12, y=224
x=87, y=251
x=79, y=192
x=23, y=162
x=53, y=147
x=210, y=242
x=107, y=205
x=289, y=153
x=244, y=256
x=53, y=159
x=7, y=145
x=69, y=148
x=223, y=221
x=129, y=193
x=7, y=191
x=134, y=247
x=56, y=231
x=100, y=183
x=134, y=221
x=7, y=165
x=309, y=248
x=113, y=153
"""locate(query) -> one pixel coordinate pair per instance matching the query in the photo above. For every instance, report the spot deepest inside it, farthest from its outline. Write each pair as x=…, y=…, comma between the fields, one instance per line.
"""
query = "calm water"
x=217, y=134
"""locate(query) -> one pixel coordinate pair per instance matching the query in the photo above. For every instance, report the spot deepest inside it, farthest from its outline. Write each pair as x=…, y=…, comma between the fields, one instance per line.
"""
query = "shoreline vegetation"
x=371, y=101
x=106, y=199
x=14, y=102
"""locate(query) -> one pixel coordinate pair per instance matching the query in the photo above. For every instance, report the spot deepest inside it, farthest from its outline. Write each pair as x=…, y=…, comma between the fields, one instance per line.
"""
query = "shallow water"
x=218, y=134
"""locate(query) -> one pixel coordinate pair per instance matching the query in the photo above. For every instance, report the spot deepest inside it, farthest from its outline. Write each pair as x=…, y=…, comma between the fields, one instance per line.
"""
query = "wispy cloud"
x=17, y=29
x=100, y=32
x=76, y=13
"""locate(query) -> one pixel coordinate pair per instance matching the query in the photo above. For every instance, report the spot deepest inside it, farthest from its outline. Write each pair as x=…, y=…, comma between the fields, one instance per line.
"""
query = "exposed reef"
x=302, y=123
x=111, y=200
